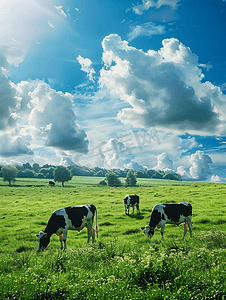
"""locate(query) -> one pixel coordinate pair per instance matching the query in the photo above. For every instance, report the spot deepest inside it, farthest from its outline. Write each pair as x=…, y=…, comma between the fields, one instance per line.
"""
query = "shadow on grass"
x=136, y=216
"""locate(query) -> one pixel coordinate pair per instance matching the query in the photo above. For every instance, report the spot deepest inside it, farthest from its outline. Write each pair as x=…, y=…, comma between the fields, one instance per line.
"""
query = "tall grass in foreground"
x=171, y=269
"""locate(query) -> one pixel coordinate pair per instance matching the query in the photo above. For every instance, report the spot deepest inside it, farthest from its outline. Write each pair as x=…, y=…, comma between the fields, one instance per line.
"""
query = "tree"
x=62, y=174
x=131, y=179
x=36, y=167
x=112, y=179
x=9, y=173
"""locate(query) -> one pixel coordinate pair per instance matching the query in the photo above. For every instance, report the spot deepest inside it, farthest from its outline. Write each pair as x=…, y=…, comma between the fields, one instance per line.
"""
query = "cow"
x=51, y=183
x=131, y=201
x=173, y=213
x=69, y=218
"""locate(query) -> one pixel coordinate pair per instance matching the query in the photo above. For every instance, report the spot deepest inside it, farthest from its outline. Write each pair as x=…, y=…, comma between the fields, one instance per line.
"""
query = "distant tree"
x=40, y=175
x=112, y=179
x=157, y=175
x=131, y=179
x=150, y=173
x=26, y=174
x=102, y=182
x=27, y=166
x=100, y=173
x=9, y=173
x=172, y=176
x=62, y=174
x=141, y=174
x=36, y=167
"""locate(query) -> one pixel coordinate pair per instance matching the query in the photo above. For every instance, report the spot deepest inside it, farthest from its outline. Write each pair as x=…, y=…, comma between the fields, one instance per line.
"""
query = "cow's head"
x=127, y=201
x=148, y=231
x=43, y=240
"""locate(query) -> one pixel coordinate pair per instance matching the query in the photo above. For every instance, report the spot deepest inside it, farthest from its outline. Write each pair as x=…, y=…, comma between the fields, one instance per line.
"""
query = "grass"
x=122, y=263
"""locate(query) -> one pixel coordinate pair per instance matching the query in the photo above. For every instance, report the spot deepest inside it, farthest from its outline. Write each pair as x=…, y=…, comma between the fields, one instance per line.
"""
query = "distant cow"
x=51, y=183
x=69, y=218
x=173, y=213
x=131, y=201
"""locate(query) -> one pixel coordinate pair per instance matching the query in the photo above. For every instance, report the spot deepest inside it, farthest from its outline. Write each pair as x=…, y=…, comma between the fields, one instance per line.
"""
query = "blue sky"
x=115, y=84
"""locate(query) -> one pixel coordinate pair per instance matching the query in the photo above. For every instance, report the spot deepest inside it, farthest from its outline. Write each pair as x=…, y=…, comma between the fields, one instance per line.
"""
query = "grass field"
x=122, y=263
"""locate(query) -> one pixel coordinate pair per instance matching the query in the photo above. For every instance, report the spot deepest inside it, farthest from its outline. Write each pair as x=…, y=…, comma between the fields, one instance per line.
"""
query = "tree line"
x=10, y=173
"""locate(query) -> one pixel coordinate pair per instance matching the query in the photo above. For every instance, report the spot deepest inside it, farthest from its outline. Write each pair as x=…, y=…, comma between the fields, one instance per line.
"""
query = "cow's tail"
x=96, y=226
x=186, y=224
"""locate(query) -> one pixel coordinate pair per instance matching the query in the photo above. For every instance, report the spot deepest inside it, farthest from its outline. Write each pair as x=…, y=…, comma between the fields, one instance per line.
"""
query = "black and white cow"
x=51, y=183
x=131, y=201
x=173, y=213
x=69, y=218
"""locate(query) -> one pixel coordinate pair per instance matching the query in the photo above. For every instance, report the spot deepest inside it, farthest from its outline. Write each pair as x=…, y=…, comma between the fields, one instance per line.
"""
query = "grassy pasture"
x=122, y=263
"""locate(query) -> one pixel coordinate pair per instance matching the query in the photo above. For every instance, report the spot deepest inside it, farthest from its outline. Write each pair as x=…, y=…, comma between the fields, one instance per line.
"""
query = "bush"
x=112, y=179
x=131, y=179
x=102, y=182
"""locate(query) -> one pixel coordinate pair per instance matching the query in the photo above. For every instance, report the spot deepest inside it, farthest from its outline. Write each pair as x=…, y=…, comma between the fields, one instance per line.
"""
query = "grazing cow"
x=173, y=213
x=131, y=201
x=69, y=218
x=51, y=183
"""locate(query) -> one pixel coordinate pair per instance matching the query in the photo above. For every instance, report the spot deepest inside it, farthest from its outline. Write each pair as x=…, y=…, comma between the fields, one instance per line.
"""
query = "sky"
x=115, y=84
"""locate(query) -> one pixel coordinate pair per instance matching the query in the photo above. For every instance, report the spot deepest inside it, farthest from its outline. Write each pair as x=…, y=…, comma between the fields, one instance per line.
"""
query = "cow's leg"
x=189, y=225
x=125, y=209
x=64, y=238
x=185, y=229
x=133, y=209
x=61, y=240
x=138, y=208
x=162, y=229
x=89, y=230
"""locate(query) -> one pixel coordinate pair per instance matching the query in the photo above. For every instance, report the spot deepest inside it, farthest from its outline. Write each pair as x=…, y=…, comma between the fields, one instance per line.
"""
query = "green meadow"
x=122, y=263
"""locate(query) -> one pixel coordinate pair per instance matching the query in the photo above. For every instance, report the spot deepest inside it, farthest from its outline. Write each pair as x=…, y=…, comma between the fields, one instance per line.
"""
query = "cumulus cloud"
x=183, y=173
x=200, y=165
x=147, y=4
x=147, y=29
x=164, y=163
x=52, y=117
x=115, y=155
x=66, y=162
x=8, y=101
x=163, y=88
x=13, y=146
x=86, y=66
x=216, y=178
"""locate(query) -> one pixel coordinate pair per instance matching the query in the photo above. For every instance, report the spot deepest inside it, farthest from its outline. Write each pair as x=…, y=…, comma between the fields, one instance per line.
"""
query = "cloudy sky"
x=115, y=84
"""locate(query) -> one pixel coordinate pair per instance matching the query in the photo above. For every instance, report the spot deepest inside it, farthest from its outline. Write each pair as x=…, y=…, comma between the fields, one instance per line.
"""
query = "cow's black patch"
x=155, y=218
x=175, y=210
x=55, y=222
x=134, y=199
x=76, y=214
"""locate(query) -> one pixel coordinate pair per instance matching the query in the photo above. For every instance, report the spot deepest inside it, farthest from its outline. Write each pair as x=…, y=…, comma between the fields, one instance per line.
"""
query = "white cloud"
x=21, y=24
x=164, y=163
x=66, y=162
x=164, y=88
x=183, y=173
x=216, y=178
x=52, y=118
x=8, y=101
x=51, y=24
x=86, y=66
x=147, y=4
x=61, y=11
x=200, y=165
x=147, y=29
x=13, y=146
